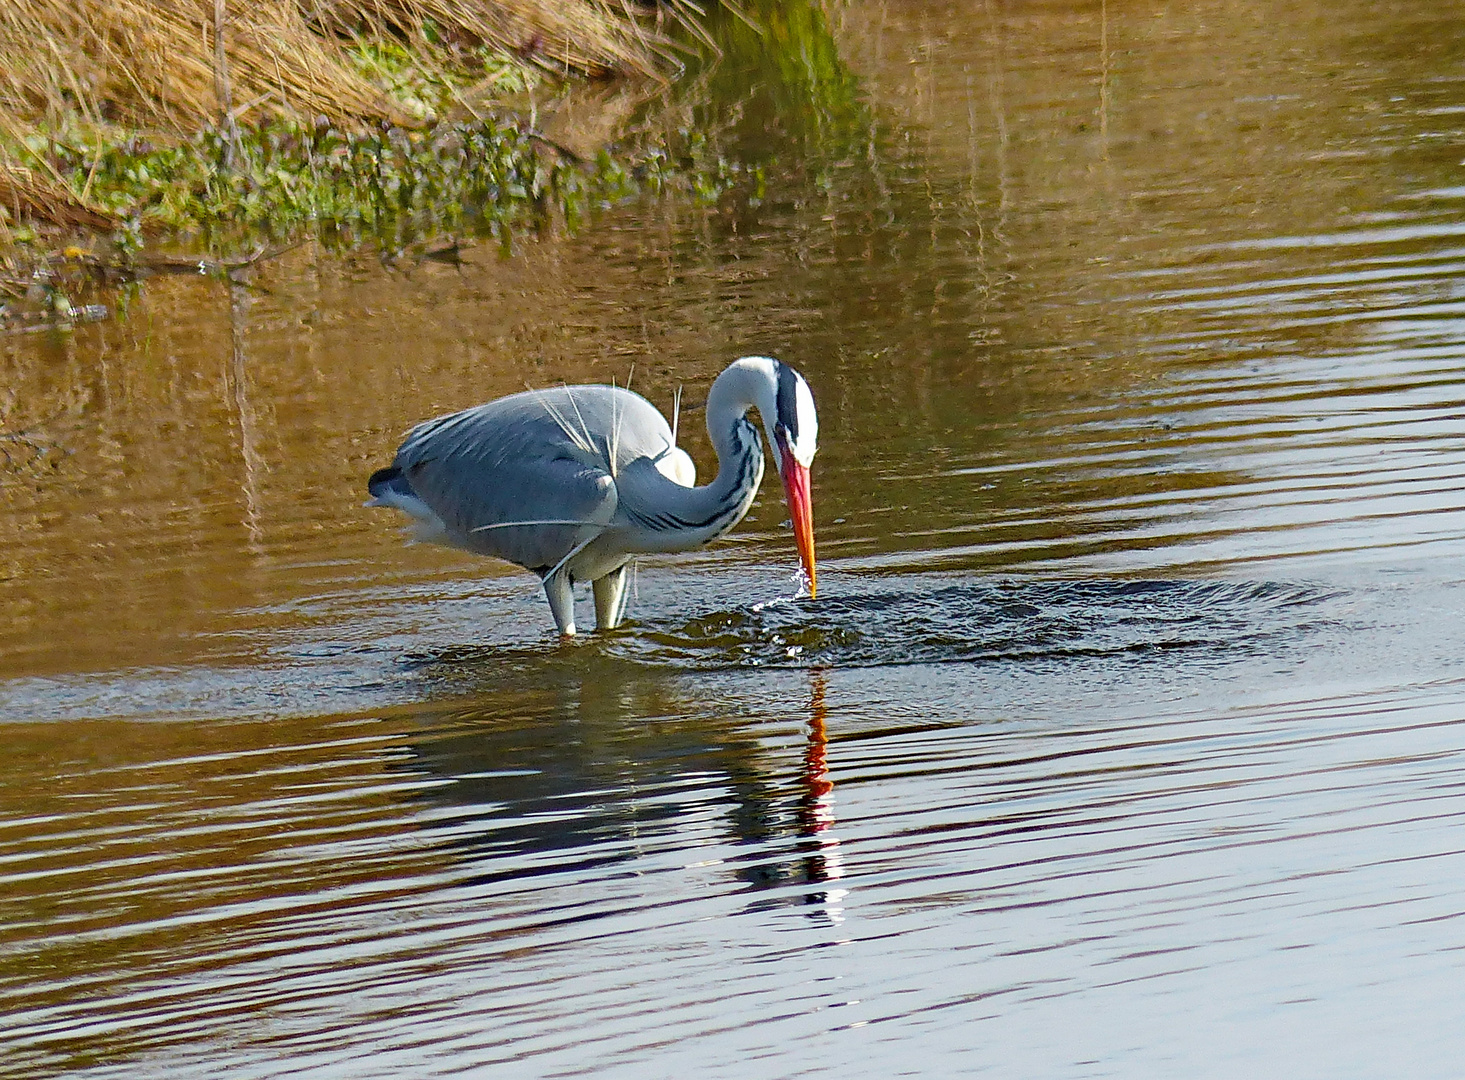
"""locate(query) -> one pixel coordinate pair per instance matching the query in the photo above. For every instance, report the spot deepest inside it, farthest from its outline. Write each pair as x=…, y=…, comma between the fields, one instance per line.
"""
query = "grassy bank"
x=220, y=126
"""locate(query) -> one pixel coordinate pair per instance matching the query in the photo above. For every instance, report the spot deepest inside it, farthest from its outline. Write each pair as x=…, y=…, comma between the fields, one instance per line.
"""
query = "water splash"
x=896, y=621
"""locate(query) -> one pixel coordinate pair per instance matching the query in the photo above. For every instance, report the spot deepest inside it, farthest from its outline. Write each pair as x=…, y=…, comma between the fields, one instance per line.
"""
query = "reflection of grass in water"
x=780, y=86
x=783, y=116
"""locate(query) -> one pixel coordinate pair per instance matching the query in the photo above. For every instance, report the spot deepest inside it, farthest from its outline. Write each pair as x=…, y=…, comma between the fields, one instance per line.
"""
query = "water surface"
x=1125, y=737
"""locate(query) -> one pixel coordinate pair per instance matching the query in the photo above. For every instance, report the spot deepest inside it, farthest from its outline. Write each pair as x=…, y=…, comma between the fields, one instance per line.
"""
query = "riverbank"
x=140, y=132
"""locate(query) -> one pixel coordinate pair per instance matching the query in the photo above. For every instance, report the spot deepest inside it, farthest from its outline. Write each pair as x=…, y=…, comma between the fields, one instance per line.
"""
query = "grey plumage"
x=532, y=458
x=571, y=482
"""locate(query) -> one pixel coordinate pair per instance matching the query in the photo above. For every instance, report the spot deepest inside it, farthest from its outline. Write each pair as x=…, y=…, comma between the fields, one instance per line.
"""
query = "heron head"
x=794, y=435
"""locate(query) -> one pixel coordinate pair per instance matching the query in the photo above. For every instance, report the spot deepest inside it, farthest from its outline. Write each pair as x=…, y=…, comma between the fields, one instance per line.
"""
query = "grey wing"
x=606, y=424
x=506, y=481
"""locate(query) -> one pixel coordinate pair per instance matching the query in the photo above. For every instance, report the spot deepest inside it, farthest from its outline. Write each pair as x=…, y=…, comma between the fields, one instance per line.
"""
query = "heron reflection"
x=568, y=765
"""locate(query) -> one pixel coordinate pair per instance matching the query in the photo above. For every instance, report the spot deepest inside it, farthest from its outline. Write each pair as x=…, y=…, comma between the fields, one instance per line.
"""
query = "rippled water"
x=1126, y=736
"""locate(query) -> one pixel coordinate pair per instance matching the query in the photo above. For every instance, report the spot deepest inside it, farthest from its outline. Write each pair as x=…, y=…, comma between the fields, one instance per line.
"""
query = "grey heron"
x=572, y=482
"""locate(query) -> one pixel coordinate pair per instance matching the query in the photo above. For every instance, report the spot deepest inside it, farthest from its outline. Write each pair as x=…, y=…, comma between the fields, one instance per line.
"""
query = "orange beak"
x=801, y=509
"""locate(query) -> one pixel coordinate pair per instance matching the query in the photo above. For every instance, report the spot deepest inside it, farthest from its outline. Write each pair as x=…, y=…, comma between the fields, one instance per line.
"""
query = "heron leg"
x=559, y=590
x=610, y=599
x=625, y=593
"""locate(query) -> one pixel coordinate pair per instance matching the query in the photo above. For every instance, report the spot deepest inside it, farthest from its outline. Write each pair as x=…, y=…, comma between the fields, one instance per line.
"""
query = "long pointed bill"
x=801, y=509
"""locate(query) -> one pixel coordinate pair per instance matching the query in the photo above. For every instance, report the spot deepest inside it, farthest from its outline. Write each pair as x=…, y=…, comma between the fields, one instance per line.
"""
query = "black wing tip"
x=383, y=480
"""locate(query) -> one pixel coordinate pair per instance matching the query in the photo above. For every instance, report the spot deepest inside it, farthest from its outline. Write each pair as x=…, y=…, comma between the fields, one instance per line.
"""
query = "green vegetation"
x=388, y=186
x=419, y=128
x=219, y=124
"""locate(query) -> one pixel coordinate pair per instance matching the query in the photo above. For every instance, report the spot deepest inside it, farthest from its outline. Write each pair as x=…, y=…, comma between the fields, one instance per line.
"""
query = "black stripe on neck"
x=748, y=462
x=787, y=400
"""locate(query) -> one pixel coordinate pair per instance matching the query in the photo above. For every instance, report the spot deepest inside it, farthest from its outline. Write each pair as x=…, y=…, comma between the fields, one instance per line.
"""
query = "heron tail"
x=387, y=483
x=389, y=487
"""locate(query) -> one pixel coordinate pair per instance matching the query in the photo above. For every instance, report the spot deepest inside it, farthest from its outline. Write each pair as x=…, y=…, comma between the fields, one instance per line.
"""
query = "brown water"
x=1126, y=737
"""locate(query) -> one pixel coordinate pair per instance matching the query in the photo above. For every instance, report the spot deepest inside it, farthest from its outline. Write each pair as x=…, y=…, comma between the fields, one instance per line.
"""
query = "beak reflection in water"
x=816, y=809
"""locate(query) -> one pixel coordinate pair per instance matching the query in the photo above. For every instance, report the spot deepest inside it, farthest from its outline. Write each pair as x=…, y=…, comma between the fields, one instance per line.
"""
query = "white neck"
x=748, y=383
x=663, y=515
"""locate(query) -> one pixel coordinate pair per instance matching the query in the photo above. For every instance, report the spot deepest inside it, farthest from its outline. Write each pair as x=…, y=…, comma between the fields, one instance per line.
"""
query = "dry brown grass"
x=592, y=37
x=151, y=64
x=37, y=196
